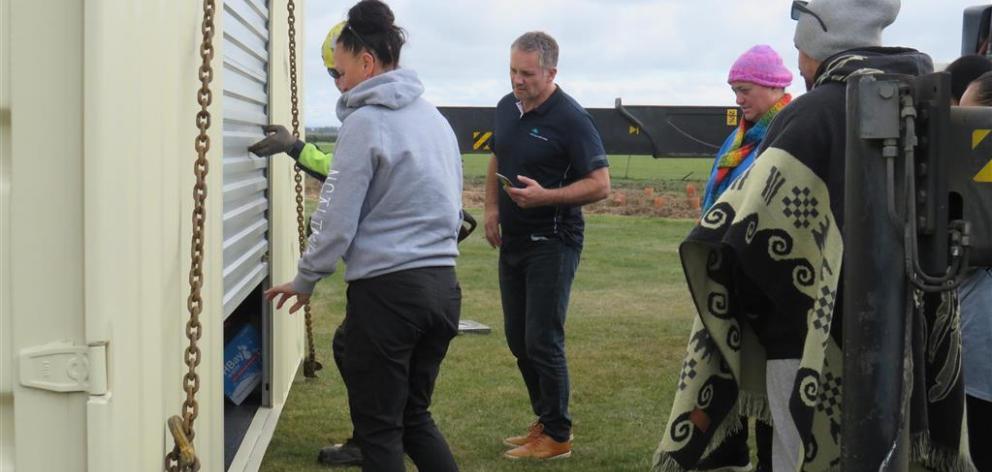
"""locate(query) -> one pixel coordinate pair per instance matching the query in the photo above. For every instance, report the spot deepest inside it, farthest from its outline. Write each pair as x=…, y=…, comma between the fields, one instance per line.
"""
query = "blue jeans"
x=535, y=279
x=976, y=333
x=976, y=338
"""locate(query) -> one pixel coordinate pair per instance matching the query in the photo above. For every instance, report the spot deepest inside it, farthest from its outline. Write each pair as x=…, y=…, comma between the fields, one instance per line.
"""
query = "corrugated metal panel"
x=246, y=180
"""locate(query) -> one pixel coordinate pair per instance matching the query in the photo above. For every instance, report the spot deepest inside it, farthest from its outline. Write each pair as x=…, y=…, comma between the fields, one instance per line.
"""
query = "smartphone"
x=504, y=180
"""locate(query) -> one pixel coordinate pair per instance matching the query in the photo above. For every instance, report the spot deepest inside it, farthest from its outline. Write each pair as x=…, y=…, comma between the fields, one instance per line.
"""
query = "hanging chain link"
x=310, y=365
x=183, y=456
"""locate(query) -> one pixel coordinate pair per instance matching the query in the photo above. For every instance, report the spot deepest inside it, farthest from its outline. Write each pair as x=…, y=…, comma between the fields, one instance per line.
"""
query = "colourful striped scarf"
x=748, y=136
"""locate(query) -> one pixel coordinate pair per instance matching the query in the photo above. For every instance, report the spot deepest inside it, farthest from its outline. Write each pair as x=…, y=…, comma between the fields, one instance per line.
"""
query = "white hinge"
x=64, y=367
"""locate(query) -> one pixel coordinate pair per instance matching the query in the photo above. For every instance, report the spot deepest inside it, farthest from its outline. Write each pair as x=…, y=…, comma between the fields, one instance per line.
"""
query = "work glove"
x=468, y=225
x=278, y=139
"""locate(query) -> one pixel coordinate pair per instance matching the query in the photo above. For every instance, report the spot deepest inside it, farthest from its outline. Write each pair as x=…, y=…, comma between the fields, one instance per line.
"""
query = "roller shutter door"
x=246, y=179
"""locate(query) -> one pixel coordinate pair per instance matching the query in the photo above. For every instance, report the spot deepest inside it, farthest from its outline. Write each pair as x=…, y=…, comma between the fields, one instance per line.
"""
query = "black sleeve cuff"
x=594, y=164
x=297, y=148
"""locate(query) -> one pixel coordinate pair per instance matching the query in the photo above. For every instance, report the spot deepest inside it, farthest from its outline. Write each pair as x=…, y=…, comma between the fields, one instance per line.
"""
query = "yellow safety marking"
x=985, y=175
x=481, y=140
x=731, y=117
x=977, y=136
x=633, y=130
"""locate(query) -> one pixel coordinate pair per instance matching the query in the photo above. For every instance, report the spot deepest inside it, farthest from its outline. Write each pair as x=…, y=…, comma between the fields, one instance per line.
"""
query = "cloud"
x=650, y=52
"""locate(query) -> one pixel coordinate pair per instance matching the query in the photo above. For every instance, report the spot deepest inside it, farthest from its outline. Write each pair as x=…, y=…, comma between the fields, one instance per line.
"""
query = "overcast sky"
x=649, y=52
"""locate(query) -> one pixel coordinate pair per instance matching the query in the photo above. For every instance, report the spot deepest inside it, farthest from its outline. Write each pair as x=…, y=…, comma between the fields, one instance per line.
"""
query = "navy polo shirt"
x=555, y=144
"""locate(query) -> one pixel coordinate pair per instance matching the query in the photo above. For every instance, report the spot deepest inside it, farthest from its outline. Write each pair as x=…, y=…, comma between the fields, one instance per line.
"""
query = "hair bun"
x=371, y=21
x=371, y=16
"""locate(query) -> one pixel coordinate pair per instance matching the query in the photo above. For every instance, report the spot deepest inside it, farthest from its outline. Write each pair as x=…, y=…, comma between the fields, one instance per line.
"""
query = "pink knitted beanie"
x=761, y=65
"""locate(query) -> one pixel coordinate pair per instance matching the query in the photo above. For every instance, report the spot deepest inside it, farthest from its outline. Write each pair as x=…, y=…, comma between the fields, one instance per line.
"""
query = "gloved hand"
x=278, y=139
x=468, y=225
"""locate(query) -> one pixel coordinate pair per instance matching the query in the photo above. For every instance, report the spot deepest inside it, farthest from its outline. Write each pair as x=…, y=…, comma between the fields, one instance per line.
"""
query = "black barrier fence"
x=659, y=131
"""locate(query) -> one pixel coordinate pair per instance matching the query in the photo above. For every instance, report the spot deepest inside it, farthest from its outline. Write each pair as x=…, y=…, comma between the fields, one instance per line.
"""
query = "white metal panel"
x=128, y=219
x=288, y=332
x=6, y=313
x=140, y=87
x=45, y=304
x=246, y=179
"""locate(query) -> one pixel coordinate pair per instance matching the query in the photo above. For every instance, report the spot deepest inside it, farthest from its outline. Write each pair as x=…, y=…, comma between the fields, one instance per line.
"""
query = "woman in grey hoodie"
x=390, y=209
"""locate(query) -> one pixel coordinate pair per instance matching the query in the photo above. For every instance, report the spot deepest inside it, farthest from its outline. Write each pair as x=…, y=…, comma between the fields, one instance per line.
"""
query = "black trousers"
x=337, y=347
x=980, y=432
x=395, y=334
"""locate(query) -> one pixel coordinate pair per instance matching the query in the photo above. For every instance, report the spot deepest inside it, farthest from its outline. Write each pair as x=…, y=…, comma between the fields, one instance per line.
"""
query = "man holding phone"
x=504, y=180
x=549, y=160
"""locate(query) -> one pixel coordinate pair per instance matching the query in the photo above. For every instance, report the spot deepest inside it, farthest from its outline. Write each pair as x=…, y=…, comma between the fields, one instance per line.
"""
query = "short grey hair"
x=542, y=43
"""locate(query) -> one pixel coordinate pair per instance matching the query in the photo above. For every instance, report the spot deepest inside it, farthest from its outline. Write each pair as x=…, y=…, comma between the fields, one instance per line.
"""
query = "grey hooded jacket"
x=392, y=198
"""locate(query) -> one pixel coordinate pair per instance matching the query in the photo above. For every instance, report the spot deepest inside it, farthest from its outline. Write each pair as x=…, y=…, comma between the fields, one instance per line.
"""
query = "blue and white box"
x=242, y=364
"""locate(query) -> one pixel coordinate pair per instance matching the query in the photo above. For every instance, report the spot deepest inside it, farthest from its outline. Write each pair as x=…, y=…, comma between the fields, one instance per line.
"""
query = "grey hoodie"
x=392, y=198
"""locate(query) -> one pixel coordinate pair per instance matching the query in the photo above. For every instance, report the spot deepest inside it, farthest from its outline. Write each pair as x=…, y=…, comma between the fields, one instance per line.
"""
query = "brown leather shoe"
x=542, y=447
x=533, y=431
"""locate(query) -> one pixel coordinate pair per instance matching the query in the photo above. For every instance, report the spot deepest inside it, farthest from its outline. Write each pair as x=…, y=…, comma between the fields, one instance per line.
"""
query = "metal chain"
x=183, y=456
x=310, y=365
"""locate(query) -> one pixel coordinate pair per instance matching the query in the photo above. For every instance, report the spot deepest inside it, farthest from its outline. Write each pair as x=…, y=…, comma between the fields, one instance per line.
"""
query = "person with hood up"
x=764, y=268
x=390, y=209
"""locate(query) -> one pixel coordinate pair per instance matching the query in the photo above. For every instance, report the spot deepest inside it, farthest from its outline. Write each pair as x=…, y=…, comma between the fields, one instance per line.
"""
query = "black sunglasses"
x=336, y=74
x=800, y=6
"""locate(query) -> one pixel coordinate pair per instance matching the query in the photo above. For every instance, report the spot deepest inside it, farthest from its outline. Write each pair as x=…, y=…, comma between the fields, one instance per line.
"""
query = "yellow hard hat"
x=327, y=50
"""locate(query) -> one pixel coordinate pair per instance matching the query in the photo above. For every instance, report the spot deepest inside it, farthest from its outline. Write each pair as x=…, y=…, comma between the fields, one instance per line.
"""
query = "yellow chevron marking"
x=985, y=175
x=481, y=140
x=633, y=130
x=978, y=136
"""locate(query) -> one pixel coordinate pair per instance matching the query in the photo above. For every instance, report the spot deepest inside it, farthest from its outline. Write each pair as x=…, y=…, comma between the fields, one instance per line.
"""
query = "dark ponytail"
x=371, y=27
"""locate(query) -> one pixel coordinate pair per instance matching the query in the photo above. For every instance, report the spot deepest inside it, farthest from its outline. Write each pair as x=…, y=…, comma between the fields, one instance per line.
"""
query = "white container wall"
x=97, y=106
x=6, y=359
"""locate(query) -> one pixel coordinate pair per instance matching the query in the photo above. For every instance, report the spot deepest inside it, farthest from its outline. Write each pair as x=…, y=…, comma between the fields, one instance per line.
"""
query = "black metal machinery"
x=918, y=209
x=659, y=131
x=918, y=213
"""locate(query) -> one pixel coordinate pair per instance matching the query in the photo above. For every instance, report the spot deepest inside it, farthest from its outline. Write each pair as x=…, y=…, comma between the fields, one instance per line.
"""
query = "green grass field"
x=628, y=324
x=638, y=169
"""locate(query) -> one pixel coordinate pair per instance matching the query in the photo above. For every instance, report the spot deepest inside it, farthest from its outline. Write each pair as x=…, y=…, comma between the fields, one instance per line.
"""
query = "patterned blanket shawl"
x=775, y=224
